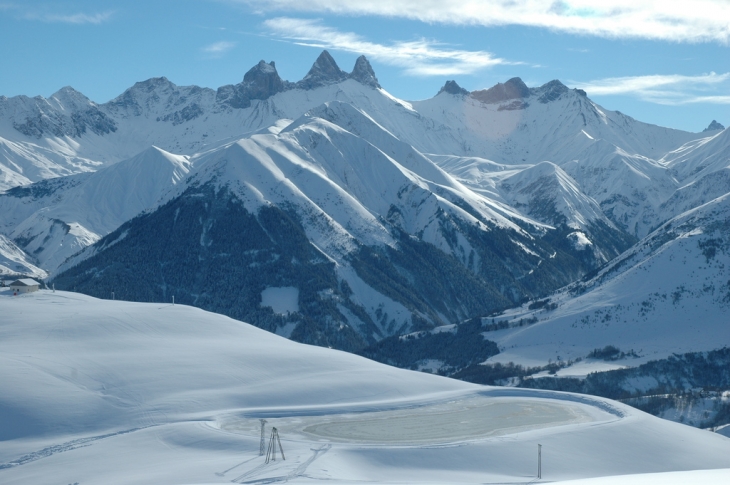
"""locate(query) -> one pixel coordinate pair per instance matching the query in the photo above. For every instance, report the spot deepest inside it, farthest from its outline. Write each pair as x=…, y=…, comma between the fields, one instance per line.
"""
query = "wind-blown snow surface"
x=114, y=392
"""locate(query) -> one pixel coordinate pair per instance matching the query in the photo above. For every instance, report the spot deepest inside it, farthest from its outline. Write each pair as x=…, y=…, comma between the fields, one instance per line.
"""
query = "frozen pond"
x=470, y=418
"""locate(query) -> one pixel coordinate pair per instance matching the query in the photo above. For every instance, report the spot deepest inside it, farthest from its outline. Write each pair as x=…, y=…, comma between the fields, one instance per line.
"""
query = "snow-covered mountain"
x=69, y=133
x=511, y=123
x=508, y=124
x=510, y=191
x=15, y=261
x=515, y=190
x=393, y=242
x=668, y=294
x=58, y=217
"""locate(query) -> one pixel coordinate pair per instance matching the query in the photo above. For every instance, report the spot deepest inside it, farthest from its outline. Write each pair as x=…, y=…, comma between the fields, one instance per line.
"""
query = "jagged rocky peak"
x=512, y=89
x=66, y=113
x=262, y=81
x=714, y=126
x=152, y=84
x=451, y=87
x=133, y=99
x=363, y=73
x=324, y=71
x=550, y=91
x=69, y=96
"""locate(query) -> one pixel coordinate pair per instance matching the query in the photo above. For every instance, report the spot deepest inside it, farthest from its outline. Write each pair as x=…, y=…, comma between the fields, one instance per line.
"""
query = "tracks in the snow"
x=67, y=446
x=249, y=476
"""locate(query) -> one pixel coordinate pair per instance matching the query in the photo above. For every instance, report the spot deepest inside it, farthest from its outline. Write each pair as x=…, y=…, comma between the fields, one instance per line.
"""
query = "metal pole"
x=262, y=445
x=280, y=447
x=173, y=300
x=539, y=461
x=112, y=295
x=273, y=441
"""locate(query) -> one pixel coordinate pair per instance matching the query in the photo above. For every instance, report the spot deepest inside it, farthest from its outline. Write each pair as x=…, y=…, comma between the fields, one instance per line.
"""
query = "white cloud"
x=217, y=49
x=77, y=18
x=672, y=89
x=420, y=57
x=670, y=20
x=707, y=99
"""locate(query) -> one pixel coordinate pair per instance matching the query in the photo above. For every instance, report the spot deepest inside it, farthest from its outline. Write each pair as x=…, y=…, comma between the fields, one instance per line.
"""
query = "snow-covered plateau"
x=114, y=392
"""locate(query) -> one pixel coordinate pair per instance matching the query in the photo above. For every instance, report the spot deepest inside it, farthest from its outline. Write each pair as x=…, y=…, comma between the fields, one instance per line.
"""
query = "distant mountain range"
x=375, y=217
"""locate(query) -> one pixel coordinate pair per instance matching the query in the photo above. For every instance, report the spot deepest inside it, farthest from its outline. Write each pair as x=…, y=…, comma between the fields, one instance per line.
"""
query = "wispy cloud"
x=76, y=18
x=672, y=89
x=217, y=49
x=420, y=57
x=670, y=20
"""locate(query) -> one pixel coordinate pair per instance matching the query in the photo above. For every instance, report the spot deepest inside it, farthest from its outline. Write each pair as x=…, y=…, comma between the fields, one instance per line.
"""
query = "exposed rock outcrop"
x=451, y=87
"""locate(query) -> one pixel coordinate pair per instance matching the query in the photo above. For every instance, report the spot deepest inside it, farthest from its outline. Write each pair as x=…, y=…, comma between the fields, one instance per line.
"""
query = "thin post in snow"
x=262, y=445
x=539, y=461
x=112, y=295
x=173, y=300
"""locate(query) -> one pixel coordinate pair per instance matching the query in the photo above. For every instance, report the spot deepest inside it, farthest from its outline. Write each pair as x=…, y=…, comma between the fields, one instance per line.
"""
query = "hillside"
x=668, y=294
x=118, y=392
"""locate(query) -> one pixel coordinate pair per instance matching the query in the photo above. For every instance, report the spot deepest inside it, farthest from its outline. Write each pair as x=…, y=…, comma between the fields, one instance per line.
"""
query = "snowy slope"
x=545, y=192
x=551, y=123
x=701, y=169
x=14, y=260
x=550, y=195
x=115, y=392
x=696, y=193
x=55, y=218
x=629, y=188
x=696, y=159
x=668, y=294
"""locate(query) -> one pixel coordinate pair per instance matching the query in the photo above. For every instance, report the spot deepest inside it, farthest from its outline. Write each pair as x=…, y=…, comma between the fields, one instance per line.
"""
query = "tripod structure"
x=274, y=441
x=262, y=444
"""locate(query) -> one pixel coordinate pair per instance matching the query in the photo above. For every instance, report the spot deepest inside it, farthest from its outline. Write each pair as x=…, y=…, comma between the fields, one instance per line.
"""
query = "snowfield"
x=113, y=392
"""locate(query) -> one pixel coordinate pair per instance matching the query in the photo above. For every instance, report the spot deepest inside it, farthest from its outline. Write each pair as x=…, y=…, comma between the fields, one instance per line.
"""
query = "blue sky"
x=666, y=63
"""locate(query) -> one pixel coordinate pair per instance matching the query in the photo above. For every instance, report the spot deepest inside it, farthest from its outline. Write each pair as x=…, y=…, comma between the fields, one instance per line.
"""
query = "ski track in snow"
x=299, y=471
x=67, y=446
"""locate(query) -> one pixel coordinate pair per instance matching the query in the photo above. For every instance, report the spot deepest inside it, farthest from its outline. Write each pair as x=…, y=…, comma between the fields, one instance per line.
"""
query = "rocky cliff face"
x=451, y=87
x=364, y=74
